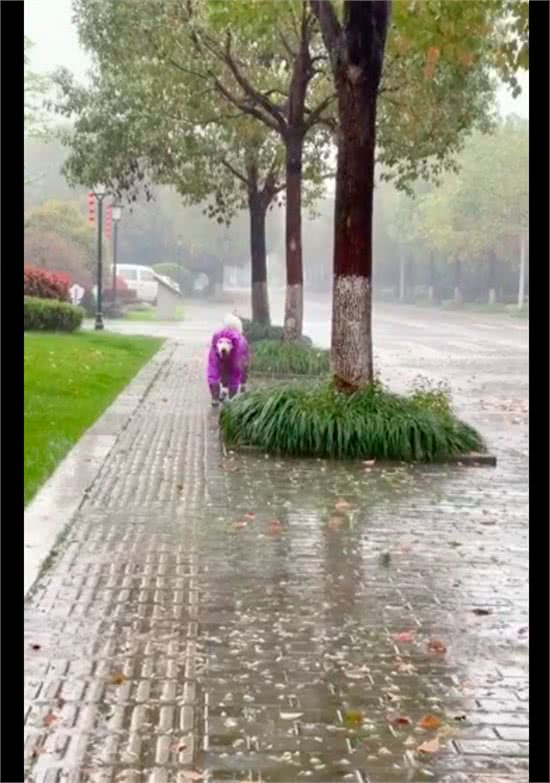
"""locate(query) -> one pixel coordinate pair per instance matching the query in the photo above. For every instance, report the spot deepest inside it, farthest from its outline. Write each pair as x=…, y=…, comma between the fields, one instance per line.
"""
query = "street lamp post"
x=99, y=193
x=117, y=214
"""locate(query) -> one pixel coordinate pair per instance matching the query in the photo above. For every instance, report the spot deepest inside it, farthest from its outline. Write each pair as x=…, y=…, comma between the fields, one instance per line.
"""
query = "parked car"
x=140, y=279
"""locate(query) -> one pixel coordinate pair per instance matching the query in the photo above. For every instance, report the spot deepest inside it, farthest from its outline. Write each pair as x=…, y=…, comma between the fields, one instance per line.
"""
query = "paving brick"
x=172, y=640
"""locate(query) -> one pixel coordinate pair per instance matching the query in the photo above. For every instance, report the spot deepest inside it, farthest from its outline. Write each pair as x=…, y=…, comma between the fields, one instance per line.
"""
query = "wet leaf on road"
x=404, y=636
x=36, y=646
x=343, y=505
x=481, y=612
x=49, y=719
x=118, y=678
x=274, y=527
x=437, y=646
x=430, y=722
x=401, y=721
x=459, y=717
x=430, y=746
x=353, y=718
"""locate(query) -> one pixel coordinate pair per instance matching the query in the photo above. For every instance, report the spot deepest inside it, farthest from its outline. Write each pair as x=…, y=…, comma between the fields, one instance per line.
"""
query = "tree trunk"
x=491, y=280
x=258, y=262
x=431, y=285
x=521, y=287
x=351, y=344
x=294, y=304
x=411, y=277
x=357, y=55
x=458, y=281
x=402, y=277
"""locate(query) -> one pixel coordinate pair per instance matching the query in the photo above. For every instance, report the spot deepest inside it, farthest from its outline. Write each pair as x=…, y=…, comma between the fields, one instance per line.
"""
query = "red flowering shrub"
x=46, y=285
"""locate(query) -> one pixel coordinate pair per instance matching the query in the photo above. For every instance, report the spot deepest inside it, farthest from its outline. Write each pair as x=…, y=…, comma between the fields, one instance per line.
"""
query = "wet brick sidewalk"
x=245, y=618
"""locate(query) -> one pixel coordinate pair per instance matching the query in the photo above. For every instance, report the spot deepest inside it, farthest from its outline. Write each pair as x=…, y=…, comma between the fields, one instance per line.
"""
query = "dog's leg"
x=215, y=393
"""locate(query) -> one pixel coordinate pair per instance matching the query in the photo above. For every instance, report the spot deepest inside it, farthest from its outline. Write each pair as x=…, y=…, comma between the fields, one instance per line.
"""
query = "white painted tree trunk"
x=402, y=278
x=351, y=354
x=521, y=287
x=294, y=312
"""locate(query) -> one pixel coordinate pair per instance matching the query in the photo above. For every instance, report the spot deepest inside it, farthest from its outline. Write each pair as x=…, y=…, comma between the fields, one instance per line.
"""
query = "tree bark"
x=458, y=281
x=521, y=286
x=402, y=277
x=491, y=278
x=258, y=259
x=411, y=277
x=431, y=285
x=293, y=323
x=357, y=65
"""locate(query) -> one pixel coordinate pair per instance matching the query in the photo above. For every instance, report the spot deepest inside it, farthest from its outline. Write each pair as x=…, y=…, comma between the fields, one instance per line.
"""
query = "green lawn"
x=151, y=315
x=69, y=381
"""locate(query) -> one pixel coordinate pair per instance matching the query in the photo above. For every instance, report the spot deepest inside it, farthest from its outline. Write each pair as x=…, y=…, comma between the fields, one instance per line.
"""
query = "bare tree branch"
x=316, y=114
x=330, y=26
x=234, y=171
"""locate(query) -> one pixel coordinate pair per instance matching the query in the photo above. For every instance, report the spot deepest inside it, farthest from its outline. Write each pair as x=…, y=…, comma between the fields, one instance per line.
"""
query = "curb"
x=49, y=513
x=473, y=460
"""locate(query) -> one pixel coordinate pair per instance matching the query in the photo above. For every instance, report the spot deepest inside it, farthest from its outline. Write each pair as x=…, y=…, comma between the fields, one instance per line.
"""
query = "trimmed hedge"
x=46, y=285
x=50, y=315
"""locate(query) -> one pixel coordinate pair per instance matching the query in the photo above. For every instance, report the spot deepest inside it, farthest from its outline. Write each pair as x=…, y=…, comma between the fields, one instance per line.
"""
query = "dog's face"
x=224, y=346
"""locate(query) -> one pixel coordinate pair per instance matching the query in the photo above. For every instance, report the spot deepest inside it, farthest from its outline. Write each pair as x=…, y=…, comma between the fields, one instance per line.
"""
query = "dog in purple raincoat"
x=228, y=361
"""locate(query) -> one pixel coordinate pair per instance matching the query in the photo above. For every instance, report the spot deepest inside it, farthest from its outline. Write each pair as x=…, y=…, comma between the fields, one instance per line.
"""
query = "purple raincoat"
x=231, y=371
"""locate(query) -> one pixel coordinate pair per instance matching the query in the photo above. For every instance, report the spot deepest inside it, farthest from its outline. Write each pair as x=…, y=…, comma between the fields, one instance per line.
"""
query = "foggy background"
x=181, y=238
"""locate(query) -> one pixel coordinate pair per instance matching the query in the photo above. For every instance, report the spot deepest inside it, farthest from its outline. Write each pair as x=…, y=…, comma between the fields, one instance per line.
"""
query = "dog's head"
x=224, y=346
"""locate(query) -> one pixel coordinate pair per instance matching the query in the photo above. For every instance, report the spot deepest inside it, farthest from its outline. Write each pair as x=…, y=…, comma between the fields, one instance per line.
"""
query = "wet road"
x=246, y=618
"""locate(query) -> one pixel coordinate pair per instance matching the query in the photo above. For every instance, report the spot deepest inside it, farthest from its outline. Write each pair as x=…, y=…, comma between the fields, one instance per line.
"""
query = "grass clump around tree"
x=315, y=420
x=254, y=331
x=70, y=379
x=273, y=357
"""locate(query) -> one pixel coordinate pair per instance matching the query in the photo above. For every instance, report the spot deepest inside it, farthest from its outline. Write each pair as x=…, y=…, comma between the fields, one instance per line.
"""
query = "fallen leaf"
x=481, y=612
x=455, y=543
x=459, y=717
x=118, y=678
x=431, y=746
x=49, y=719
x=335, y=522
x=404, y=636
x=401, y=720
x=343, y=505
x=430, y=722
x=250, y=515
x=436, y=646
x=523, y=630
x=36, y=646
x=353, y=718
x=179, y=487
x=291, y=715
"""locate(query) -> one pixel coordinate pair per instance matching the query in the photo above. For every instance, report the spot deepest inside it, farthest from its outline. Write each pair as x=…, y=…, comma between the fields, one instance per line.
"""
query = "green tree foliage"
x=36, y=87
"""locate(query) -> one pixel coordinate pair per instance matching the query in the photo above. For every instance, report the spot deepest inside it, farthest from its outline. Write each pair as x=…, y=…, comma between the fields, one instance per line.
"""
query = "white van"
x=140, y=279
